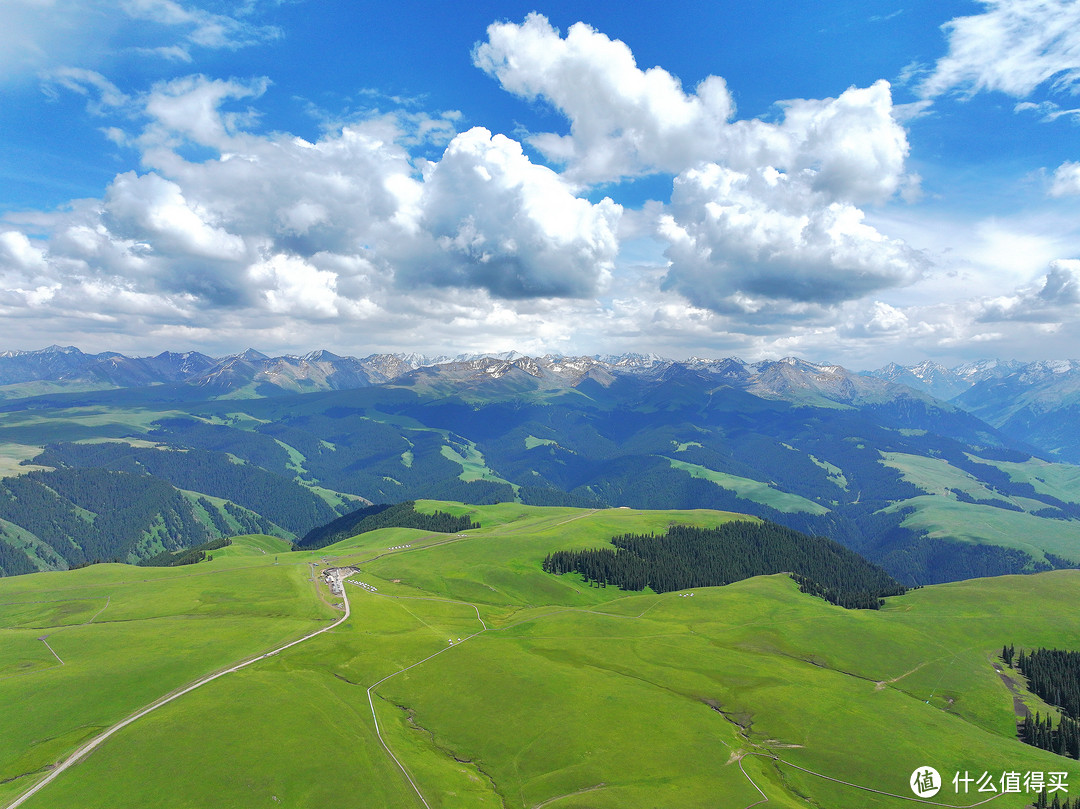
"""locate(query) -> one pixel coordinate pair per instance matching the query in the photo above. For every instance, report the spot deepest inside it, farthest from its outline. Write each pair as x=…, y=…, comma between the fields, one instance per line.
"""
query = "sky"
x=857, y=182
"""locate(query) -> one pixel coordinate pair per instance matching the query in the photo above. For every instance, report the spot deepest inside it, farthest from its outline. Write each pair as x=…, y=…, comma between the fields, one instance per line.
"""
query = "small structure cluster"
x=366, y=586
x=335, y=575
x=398, y=547
x=332, y=582
x=686, y=595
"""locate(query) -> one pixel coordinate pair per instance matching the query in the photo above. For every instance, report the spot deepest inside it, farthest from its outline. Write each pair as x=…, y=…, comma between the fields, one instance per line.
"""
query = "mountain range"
x=1032, y=402
x=104, y=456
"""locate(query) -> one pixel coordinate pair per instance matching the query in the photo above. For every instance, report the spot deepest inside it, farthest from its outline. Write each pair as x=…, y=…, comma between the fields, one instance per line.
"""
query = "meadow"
x=497, y=685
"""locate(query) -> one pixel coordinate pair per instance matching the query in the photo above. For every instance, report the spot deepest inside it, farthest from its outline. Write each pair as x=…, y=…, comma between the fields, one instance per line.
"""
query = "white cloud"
x=774, y=241
x=199, y=27
x=886, y=319
x=292, y=286
x=625, y=121
x=1053, y=298
x=500, y=222
x=1066, y=180
x=740, y=242
x=1013, y=47
x=155, y=212
x=345, y=229
x=761, y=212
x=18, y=254
x=1047, y=110
x=103, y=94
x=190, y=108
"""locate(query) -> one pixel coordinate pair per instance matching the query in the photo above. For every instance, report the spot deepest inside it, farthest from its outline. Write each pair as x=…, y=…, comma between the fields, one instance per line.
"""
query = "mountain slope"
x=903, y=478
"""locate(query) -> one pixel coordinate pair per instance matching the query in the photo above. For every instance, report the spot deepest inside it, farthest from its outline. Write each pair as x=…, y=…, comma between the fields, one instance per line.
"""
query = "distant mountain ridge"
x=787, y=378
x=1035, y=403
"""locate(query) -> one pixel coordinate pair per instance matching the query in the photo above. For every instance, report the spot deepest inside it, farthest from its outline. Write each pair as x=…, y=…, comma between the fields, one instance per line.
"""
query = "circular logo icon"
x=925, y=782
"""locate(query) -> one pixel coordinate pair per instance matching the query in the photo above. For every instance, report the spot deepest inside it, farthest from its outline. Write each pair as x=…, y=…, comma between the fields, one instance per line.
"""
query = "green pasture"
x=972, y=522
x=12, y=457
x=497, y=685
x=473, y=465
x=39, y=427
x=937, y=476
x=129, y=635
x=41, y=387
x=834, y=472
x=41, y=553
x=1055, y=479
x=753, y=490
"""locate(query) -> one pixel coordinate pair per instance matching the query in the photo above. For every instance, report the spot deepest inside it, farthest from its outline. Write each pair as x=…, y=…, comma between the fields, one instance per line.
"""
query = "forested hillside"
x=72, y=517
x=687, y=557
x=923, y=488
x=402, y=515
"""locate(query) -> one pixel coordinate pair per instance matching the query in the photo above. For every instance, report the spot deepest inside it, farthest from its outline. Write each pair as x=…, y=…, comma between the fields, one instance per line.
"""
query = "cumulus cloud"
x=1051, y=299
x=18, y=254
x=770, y=242
x=293, y=286
x=1066, y=180
x=625, y=121
x=740, y=241
x=190, y=108
x=341, y=229
x=1013, y=47
x=500, y=222
x=763, y=217
x=886, y=319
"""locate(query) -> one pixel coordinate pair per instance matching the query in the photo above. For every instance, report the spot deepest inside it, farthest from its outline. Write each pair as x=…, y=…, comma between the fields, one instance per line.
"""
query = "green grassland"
x=934, y=475
x=473, y=465
x=34, y=427
x=42, y=387
x=941, y=514
x=12, y=457
x=972, y=522
x=557, y=693
x=749, y=489
x=1058, y=480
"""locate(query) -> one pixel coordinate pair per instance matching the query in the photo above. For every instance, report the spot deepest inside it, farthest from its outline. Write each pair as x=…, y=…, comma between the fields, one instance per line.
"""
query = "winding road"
x=84, y=750
x=88, y=747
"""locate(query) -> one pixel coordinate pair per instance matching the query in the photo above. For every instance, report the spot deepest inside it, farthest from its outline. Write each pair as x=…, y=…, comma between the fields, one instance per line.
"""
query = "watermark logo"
x=925, y=782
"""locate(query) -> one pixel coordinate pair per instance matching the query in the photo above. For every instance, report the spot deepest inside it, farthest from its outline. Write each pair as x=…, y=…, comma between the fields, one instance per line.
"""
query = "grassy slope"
x=942, y=515
x=749, y=489
x=573, y=688
x=128, y=635
x=1058, y=480
x=12, y=457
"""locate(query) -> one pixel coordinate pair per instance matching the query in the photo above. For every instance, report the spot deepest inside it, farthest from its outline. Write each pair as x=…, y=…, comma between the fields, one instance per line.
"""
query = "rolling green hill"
x=495, y=684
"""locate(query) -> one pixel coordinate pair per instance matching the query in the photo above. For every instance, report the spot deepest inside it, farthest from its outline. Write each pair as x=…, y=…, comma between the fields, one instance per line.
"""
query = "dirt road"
x=94, y=743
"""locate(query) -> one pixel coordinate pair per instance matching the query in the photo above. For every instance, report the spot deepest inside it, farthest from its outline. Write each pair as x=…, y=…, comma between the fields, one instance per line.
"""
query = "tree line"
x=686, y=557
x=1054, y=676
x=383, y=515
x=188, y=556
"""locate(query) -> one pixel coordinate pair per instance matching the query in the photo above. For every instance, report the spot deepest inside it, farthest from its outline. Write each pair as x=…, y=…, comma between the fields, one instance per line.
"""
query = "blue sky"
x=854, y=182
